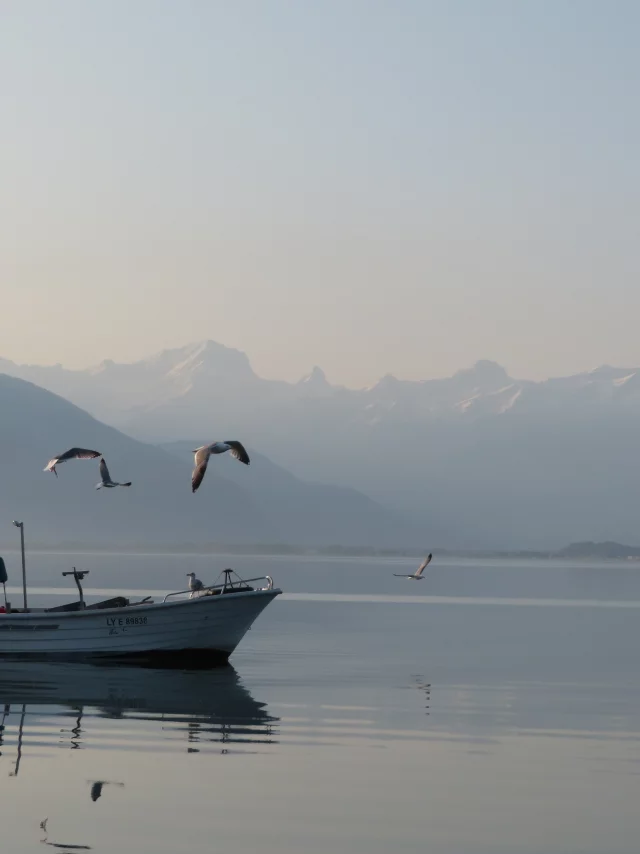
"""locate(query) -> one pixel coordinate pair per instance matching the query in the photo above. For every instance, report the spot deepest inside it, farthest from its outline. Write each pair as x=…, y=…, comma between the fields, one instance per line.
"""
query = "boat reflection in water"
x=62, y=701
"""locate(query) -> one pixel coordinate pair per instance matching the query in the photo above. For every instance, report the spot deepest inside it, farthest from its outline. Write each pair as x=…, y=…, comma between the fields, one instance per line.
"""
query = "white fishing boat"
x=207, y=624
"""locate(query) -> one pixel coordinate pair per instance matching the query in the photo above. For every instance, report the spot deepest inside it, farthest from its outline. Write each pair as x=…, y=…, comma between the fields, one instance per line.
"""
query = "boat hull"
x=207, y=628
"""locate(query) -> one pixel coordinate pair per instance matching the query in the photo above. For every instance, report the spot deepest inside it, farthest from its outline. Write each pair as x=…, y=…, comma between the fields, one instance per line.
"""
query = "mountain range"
x=476, y=460
x=160, y=397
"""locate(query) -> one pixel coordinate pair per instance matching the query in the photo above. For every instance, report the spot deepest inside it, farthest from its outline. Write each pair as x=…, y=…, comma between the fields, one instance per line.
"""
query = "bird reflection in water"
x=97, y=786
x=65, y=845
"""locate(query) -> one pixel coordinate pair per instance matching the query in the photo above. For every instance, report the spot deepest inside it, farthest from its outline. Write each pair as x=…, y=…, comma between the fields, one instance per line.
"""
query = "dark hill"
x=235, y=504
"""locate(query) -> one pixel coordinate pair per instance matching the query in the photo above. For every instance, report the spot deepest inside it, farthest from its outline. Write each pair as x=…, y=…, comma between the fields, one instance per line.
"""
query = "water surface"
x=490, y=708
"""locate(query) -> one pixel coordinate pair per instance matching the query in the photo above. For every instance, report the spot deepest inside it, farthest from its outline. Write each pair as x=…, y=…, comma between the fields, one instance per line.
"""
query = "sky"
x=371, y=186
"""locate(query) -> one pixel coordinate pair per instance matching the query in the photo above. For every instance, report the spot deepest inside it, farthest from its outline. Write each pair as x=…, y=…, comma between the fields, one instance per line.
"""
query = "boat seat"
x=116, y=602
x=71, y=606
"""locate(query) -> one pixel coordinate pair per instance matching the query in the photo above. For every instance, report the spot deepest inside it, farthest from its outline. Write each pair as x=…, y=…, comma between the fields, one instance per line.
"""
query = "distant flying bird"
x=194, y=583
x=202, y=455
x=106, y=478
x=71, y=454
x=417, y=575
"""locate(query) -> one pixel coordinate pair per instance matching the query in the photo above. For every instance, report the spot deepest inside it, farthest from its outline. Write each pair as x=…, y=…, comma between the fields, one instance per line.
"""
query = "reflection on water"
x=98, y=785
x=425, y=689
x=45, y=703
x=48, y=707
x=68, y=846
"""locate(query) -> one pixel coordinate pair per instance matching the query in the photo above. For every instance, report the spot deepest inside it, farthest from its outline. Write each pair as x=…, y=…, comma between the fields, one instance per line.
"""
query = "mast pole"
x=24, y=570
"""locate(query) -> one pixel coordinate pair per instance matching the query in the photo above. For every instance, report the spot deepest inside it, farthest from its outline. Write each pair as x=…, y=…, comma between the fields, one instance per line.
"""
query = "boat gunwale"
x=44, y=614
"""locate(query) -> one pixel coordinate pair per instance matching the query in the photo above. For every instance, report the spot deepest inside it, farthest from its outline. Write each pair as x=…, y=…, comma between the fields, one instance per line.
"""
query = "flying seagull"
x=71, y=454
x=202, y=455
x=417, y=575
x=106, y=478
x=194, y=583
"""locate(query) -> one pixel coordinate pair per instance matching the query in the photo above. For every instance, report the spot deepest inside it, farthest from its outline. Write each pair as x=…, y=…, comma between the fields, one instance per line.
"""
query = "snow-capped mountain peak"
x=181, y=389
x=315, y=384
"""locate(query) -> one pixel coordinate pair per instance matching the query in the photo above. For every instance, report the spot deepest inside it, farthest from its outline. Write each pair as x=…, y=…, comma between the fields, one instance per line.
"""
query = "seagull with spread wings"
x=71, y=454
x=202, y=455
x=417, y=575
x=106, y=478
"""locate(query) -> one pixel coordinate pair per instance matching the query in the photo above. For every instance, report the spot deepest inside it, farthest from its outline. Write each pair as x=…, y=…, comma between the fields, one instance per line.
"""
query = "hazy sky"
x=402, y=186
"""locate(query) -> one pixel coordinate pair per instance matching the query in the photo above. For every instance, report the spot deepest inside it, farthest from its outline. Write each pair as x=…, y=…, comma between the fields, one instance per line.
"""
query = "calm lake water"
x=493, y=708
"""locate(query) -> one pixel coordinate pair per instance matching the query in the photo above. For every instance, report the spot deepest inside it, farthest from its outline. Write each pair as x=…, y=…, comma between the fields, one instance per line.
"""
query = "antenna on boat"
x=4, y=578
x=78, y=575
x=229, y=583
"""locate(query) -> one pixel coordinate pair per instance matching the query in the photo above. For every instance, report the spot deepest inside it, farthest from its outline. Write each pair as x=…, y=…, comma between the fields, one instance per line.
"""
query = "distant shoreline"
x=609, y=551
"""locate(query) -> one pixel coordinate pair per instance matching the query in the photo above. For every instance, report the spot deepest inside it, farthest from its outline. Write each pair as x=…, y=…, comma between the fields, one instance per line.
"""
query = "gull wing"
x=104, y=472
x=238, y=451
x=201, y=461
x=425, y=563
x=72, y=454
x=79, y=454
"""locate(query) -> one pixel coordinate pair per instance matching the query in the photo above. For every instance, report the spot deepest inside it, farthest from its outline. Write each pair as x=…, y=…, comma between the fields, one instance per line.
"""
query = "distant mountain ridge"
x=127, y=394
x=599, y=551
